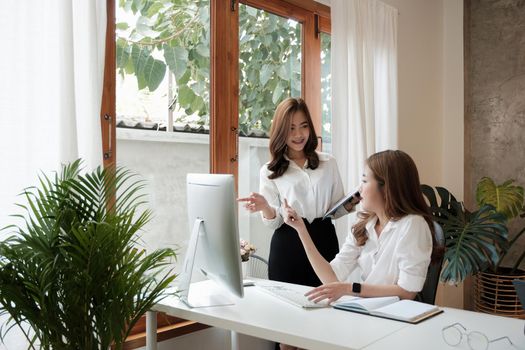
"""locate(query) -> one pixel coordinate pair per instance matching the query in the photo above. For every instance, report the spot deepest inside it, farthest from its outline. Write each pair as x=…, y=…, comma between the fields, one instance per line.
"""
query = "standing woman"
x=309, y=181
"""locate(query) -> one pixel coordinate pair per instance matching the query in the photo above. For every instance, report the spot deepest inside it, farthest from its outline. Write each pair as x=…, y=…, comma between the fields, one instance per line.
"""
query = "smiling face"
x=299, y=132
x=372, y=197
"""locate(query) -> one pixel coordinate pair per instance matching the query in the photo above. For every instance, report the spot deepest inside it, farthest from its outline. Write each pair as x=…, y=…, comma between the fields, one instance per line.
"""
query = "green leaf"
x=123, y=54
x=177, y=59
x=203, y=50
x=143, y=28
x=139, y=57
x=154, y=71
x=265, y=74
x=251, y=11
x=154, y=9
x=186, y=96
x=122, y=26
x=277, y=94
x=507, y=198
x=197, y=104
x=284, y=72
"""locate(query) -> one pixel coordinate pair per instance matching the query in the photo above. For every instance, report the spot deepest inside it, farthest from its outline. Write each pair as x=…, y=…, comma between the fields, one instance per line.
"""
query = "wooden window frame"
x=224, y=97
x=314, y=18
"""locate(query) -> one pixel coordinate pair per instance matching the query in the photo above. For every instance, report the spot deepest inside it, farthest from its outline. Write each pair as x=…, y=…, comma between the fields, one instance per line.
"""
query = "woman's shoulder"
x=264, y=169
x=412, y=222
x=412, y=219
x=325, y=157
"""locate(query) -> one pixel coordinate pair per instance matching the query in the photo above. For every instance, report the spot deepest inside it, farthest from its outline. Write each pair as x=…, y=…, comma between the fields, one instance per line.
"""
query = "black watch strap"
x=356, y=288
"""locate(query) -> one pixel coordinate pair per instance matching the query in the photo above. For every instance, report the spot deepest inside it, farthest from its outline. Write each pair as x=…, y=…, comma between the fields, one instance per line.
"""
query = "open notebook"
x=390, y=307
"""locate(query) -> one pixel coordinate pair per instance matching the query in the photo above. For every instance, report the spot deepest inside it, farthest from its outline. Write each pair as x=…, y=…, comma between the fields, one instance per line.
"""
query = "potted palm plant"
x=473, y=239
x=478, y=241
x=72, y=275
x=493, y=289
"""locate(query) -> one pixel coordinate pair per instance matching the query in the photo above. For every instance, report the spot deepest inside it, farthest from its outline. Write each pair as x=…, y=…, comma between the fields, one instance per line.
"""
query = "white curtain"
x=364, y=86
x=51, y=70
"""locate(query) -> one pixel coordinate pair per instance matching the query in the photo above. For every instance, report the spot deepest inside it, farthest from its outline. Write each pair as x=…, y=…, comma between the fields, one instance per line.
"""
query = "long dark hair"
x=281, y=125
x=398, y=179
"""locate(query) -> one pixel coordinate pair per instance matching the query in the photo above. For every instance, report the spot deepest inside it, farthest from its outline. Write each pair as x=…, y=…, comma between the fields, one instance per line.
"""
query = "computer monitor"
x=213, y=248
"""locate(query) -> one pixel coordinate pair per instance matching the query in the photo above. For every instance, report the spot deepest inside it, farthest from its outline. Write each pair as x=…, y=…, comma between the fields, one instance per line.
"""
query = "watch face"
x=356, y=288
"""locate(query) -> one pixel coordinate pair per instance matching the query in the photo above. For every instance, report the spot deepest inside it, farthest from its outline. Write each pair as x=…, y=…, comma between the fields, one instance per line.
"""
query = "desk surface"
x=262, y=315
x=427, y=334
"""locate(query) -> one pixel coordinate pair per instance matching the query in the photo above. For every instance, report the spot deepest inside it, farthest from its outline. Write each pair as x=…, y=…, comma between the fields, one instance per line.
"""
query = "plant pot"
x=494, y=293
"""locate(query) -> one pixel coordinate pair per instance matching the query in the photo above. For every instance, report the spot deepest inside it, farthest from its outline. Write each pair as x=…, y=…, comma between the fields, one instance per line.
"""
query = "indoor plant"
x=72, y=270
x=473, y=239
x=477, y=242
x=493, y=288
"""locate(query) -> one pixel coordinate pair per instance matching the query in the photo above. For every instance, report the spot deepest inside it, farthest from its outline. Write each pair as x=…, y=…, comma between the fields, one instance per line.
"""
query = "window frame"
x=224, y=67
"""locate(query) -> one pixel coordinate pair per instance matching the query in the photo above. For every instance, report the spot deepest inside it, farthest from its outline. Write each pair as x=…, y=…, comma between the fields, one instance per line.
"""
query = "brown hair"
x=398, y=179
x=281, y=124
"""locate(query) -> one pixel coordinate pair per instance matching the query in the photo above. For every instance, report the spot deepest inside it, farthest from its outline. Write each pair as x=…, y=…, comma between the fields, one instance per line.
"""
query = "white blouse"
x=400, y=255
x=311, y=192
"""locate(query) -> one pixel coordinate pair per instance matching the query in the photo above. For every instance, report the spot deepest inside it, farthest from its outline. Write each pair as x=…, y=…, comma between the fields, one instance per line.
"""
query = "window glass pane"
x=270, y=71
x=269, y=64
x=326, y=93
x=163, y=64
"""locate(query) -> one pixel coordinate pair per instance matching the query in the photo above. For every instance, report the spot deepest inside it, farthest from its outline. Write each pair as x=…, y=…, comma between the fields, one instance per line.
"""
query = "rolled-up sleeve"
x=345, y=261
x=268, y=189
x=414, y=250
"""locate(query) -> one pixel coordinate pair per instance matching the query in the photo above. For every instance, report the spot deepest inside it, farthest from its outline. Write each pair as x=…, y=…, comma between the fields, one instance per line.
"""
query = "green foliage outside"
x=169, y=36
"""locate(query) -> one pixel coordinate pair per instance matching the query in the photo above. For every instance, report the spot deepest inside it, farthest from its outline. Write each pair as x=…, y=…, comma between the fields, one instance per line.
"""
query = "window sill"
x=126, y=134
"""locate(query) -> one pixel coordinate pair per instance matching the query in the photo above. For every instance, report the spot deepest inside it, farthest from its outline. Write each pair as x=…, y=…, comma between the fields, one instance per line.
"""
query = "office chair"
x=428, y=294
x=257, y=267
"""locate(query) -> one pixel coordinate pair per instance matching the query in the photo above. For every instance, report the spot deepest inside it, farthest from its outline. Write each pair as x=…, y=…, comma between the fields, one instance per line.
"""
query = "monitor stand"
x=195, y=299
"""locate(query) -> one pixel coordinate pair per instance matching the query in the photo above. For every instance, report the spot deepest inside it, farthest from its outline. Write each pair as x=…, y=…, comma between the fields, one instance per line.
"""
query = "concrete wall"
x=495, y=118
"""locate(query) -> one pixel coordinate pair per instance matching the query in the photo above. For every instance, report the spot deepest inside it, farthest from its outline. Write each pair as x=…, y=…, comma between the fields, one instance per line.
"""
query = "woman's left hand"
x=331, y=291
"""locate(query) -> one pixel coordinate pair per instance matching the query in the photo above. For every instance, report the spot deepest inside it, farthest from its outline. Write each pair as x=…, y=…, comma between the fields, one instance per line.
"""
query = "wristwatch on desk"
x=356, y=288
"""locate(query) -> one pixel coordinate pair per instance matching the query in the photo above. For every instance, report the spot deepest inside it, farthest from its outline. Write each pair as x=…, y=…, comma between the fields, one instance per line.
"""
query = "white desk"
x=261, y=315
x=427, y=334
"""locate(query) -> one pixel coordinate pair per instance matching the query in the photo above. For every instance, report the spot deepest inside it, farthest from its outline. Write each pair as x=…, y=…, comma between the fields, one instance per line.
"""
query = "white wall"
x=431, y=115
x=430, y=83
x=163, y=160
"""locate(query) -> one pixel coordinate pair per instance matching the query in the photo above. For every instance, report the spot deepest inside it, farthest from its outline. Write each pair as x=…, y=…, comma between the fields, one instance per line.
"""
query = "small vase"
x=244, y=266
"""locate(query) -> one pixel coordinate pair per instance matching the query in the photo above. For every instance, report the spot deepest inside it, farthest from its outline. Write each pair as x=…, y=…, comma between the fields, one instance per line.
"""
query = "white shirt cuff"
x=274, y=223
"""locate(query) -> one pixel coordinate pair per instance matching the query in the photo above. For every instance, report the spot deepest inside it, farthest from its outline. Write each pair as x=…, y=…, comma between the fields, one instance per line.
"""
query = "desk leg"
x=151, y=330
x=235, y=340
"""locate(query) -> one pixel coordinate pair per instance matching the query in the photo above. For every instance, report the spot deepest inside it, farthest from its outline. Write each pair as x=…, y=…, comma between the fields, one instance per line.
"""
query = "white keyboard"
x=291, y=296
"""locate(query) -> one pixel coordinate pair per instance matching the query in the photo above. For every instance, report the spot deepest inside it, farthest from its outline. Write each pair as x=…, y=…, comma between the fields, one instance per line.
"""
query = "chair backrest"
x=257, y=267
x=428, y=294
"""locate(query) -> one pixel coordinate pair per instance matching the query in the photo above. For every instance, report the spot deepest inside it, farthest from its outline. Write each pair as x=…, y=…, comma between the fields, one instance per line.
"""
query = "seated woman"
x=392, y=241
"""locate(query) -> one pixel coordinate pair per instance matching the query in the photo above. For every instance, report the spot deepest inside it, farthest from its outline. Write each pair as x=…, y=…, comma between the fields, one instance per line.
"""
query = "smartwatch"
x=356, y=288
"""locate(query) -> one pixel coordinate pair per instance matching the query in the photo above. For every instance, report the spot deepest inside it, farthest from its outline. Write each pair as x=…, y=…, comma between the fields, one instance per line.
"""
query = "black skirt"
x=288, y=261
